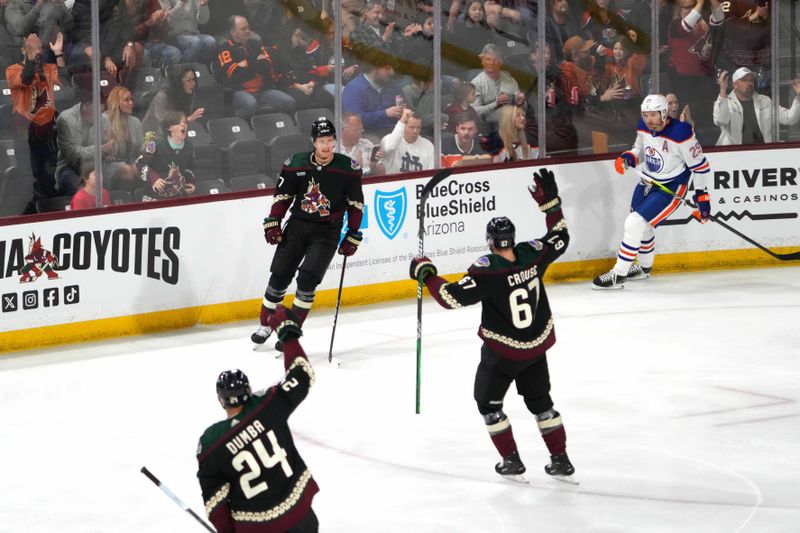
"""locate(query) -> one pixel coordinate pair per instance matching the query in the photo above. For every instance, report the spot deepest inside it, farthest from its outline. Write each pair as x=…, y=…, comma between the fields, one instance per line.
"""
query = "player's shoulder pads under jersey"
x=298, y=160
x=215, y=431
x=345, y=163
x=679, y=131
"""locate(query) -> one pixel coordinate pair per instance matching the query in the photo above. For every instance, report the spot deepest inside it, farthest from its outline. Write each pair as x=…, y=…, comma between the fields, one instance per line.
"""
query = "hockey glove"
x=545, y=191
x=350, y=243
x=272, y=230
x=624, y=161
x=285, y=323
x=421, y=268
x=703, y=201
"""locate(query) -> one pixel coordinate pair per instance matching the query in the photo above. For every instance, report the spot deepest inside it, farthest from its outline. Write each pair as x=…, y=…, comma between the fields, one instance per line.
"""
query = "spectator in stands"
x=150, y=21
x=690, y=68
x=166, y=163
x=249, y=73
x=511, y=130
x=42, y=17
x=265, y=18
x=85, y=196
x=359, y=148
x=350, y=15
x=116, y=37
x=456, y=146
x=76, y=143
x=404, y=150
x=373, y=97
x=578, y=79
x=560, y=25
x=744, y=116
x=304, y=76
x=125, y=130
x=624, y=69
x=494, y=87
x=371, y=33
x=744, y=38
x=418, y=96
x=603, y=26
x=34, y=113
x=469, y=37
x=7, y=42
x=183, y=18
x=675, y=112
x=177, y=96
x=463, y=96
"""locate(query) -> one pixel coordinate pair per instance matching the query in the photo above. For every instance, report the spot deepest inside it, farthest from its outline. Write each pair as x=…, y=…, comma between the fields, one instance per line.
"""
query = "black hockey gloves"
x=421, y=268
x=285, y=323
x=350, y=243
x=272, y=230
x=545, y=191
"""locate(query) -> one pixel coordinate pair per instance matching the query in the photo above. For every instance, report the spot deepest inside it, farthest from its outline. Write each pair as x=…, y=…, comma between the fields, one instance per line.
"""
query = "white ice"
x=679, y=396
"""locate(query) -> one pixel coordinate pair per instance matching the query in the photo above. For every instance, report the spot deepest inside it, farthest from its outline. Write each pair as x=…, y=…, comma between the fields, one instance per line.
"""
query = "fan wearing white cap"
x=670, y=154
x=744, y=116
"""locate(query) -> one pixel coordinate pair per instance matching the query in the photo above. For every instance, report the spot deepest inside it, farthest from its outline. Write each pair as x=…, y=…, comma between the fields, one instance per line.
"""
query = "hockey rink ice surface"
x=680, y=397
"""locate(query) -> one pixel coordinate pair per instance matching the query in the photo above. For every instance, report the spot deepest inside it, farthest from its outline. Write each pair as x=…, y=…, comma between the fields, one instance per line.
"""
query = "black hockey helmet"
x=233, y=388
x=500, y=233
x=322, y=127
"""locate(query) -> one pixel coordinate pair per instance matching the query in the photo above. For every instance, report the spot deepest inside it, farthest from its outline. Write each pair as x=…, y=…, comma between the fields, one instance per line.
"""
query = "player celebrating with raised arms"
x=320, y=187
x=671, y=155
x=251, y=475
x=516, y=326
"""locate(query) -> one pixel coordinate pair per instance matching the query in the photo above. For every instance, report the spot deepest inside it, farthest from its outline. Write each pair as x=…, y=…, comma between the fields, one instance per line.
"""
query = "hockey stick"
x=331, y=359
x=783, y=257
x=175, y=499
x=423, y=199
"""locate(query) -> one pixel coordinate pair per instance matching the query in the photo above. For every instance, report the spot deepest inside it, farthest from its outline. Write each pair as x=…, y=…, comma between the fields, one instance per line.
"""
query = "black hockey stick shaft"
x=783, y=257
x=336, y=313
x=426, y=191
x=175, y=499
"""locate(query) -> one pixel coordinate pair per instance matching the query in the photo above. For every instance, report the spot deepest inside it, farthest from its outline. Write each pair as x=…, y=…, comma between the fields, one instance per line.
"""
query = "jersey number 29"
x=523, y=302
x=245, y=458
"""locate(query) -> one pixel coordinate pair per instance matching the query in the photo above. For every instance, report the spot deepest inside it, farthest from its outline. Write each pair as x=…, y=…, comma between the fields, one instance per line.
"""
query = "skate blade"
x=612, y=288
x=516, y=478
x=639, y=278
x=566, y=479
x=261, y=347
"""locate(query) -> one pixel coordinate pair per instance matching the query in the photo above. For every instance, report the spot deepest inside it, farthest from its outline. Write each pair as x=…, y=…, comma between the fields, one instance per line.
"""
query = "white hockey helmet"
x=656, y=102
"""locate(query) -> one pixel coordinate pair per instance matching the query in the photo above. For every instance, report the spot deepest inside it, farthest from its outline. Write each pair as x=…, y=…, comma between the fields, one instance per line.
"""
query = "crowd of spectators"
x=270, y=56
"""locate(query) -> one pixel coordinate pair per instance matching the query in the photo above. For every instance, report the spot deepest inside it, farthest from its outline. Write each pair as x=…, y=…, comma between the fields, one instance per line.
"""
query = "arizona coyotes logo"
x=38, y=261
x=314, y=201
x=40, y=98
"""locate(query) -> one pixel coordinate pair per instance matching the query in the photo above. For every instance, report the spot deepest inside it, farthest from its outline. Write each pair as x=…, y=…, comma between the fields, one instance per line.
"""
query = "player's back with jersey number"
x=516, y=320
x=250, y=472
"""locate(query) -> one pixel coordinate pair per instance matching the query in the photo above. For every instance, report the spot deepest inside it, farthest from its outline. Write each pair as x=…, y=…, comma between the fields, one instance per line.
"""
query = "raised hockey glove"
x=350, y=243
x=272, y=230
x=703, y=201
x=545, y=191
x=624, y=161
x=421, y=268
x=285, y=323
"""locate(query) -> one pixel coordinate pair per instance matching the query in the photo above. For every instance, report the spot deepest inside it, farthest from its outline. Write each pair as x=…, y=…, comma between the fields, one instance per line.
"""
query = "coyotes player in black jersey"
x=252, y=477
x=320, y=187
x=516, y=326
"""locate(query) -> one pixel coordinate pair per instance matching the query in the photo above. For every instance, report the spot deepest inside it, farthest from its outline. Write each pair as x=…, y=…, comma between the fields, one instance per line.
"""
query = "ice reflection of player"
x=38, y=261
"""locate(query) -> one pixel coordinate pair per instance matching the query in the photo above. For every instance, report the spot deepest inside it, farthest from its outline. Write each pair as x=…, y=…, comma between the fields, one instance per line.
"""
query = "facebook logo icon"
x=72, y=295
x=50, y=297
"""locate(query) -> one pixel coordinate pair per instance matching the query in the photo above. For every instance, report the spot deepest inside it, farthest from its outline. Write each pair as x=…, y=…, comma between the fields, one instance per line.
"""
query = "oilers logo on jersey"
x=653, y=159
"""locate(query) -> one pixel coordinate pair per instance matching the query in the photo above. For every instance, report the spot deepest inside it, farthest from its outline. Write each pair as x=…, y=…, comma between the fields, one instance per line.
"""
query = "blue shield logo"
x=390, y=211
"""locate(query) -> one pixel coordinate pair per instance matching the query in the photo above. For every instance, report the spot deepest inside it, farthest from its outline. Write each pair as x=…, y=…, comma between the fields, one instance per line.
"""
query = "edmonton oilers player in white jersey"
x=671, y=155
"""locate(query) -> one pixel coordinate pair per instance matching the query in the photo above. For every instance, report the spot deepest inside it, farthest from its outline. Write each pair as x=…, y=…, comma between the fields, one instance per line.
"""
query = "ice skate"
x=561, y=468
x=609, y=281
x=638, y=272
x=260, y=337
x=511, y=468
